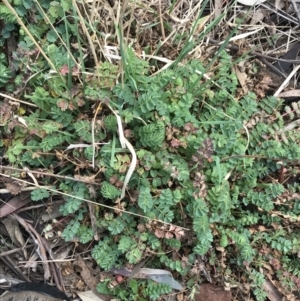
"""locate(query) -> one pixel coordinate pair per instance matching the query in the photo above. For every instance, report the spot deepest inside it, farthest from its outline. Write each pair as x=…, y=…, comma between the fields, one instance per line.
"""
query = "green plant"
x=208, y=160
x=186, y=158
x=258, y=281
x=142, y=290
x=4, y=71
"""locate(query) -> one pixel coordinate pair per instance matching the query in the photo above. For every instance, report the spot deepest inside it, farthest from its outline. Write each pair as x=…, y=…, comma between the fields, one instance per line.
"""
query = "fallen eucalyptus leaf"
x=157, y=275
x=88, y=296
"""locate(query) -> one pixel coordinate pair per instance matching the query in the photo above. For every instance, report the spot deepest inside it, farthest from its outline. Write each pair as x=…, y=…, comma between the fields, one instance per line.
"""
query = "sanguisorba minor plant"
x=208, y=176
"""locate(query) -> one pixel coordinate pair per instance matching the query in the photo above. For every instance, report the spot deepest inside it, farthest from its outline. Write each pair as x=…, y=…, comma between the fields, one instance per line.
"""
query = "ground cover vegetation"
x=215, y=168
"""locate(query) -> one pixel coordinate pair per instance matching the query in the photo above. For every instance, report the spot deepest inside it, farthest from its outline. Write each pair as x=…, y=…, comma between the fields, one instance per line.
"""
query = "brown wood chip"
x=210, y=292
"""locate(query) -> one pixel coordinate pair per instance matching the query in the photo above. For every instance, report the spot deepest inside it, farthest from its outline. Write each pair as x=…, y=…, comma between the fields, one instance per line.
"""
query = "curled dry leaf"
x=15, y=203
x=14, y=187
x=89, y=279
x=15, y=233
